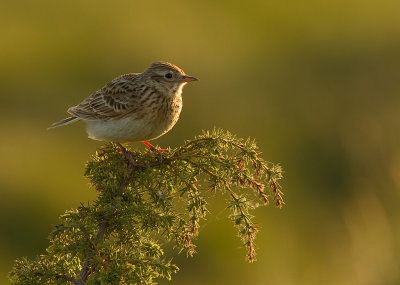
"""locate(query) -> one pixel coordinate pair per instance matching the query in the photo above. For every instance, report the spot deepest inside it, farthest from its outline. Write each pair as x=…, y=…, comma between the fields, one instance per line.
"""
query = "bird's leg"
x=123, y=149
x=158, y=150
x=126, y=154
x=153, y=148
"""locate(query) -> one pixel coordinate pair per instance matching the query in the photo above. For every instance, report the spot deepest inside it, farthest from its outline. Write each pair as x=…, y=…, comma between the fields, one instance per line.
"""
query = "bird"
x=134, y=106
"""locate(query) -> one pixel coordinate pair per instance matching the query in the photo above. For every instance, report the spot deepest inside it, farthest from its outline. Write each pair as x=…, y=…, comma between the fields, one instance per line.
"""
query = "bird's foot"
x=160, y=151
x=127, y=155
x=153, y=148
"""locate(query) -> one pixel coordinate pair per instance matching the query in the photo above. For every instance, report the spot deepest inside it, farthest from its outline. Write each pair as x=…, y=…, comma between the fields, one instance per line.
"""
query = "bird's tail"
x=64, y=122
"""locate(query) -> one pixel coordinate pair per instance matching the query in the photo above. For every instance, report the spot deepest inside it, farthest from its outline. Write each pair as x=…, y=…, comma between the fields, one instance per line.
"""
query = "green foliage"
x=116, y=239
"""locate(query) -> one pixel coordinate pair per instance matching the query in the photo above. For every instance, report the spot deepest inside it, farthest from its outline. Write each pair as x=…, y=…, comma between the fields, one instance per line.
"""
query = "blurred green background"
x=317, y=83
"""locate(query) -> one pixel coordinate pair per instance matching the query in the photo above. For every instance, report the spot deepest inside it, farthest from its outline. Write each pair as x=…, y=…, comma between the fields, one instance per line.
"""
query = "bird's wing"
x=113, y=101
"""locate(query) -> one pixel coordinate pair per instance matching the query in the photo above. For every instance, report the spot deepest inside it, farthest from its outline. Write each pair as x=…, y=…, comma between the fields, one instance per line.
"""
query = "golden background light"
x=316, y=83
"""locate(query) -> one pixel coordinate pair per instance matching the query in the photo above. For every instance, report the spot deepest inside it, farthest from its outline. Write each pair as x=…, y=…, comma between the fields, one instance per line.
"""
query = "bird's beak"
x=187, y=78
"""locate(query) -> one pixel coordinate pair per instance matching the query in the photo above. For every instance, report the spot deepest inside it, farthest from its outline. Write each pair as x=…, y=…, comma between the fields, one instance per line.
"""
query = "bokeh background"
x=317, y=83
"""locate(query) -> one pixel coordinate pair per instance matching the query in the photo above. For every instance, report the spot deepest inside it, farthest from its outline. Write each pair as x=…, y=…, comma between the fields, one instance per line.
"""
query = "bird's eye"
x=168, y=75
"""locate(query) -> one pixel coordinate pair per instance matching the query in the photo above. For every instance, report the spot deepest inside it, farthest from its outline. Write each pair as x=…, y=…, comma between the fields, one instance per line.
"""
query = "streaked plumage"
x=133, y=107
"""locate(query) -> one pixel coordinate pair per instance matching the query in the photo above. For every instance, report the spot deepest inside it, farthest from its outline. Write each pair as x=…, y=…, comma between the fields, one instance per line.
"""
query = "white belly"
x=127, y=129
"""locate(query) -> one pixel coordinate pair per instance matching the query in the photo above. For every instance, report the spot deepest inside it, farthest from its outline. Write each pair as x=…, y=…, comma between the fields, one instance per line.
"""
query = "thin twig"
x=201, y=167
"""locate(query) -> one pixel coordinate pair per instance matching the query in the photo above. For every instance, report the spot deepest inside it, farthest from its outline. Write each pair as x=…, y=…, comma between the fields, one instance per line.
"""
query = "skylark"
x=133, y=107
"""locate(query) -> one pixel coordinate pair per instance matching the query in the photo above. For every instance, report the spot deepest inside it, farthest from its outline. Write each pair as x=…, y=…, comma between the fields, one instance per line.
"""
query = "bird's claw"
x=127, y=155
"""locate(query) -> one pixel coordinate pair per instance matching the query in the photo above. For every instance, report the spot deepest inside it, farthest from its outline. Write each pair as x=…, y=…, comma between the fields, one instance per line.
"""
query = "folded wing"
x=115, y=100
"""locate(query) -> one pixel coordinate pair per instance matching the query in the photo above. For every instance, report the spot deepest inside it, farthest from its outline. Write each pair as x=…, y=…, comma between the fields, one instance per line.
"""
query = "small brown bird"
x=133, y=107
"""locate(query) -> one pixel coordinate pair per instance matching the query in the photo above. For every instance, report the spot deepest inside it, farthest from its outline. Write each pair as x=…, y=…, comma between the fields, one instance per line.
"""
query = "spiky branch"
x=115, y=239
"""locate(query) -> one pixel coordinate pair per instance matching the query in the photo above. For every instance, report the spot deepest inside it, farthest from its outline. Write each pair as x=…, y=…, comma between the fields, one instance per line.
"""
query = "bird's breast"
x=169, y=111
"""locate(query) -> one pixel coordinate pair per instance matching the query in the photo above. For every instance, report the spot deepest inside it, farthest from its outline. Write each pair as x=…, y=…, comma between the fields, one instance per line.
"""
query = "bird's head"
x=167, y=75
